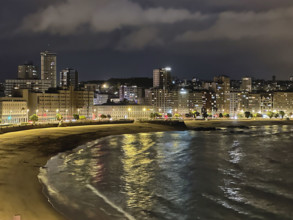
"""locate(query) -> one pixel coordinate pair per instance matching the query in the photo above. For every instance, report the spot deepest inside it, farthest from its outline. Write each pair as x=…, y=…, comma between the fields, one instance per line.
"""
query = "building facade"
x=100, y=98
x=162, y=78
x=13, y=110
x=222, y=93
x=49, y=67
x=69, y=77
x=13, y=86
x=65, y=102
x=27, y=71
x=123, y=111
x=283, y=101
x=246, y=84
x=131, y=93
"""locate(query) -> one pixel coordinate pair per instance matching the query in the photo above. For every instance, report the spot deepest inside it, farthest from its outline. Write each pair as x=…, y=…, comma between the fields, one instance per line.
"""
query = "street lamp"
x=129, y=110
x=27, y=114
x=9, y=117
x=46, y=114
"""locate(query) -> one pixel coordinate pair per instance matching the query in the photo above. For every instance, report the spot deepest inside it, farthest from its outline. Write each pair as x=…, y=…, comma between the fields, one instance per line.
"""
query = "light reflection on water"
x=230, y=174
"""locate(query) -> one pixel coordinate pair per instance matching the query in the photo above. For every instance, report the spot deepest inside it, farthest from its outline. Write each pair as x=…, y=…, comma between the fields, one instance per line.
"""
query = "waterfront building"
x=266, y=102
x=283, y=101
x=183, y=101
x=13, y=86
x=69, y=77
x=235, y=103
x=197, y=100
x=124, y=111
x=13, y=110
x=65, y=102
x=222, y=93
x=27, y=71
x=164, y=101
x=49, y=67
x=184, y=104
x=254, y=102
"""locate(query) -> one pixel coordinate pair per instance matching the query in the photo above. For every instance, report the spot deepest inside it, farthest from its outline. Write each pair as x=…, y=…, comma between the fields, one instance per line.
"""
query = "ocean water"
x=225, y=174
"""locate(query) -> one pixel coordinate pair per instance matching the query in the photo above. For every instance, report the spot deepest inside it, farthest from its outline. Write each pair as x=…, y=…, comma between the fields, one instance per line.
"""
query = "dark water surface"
x=227, y=174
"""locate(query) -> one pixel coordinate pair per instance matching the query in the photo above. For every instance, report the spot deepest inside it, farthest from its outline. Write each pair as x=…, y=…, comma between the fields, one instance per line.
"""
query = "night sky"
x=129, y=38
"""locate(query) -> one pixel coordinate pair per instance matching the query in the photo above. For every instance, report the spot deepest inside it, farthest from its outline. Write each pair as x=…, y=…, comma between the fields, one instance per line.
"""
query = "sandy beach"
x=23, y=153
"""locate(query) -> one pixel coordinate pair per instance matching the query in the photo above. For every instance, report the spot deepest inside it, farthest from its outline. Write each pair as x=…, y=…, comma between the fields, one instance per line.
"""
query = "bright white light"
x=168, y=69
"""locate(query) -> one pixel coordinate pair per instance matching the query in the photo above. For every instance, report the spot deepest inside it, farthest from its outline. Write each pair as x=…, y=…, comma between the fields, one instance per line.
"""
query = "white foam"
x=109, y=202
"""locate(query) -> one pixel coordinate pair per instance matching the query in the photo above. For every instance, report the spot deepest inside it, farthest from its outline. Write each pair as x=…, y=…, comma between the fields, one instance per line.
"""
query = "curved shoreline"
x=23, y=153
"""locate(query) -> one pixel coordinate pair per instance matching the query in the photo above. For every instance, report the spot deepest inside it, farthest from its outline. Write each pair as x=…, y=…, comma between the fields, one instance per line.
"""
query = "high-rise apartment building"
x=266, y=102
x=162, y=78
x=235, y=103
x=131, y=93
x=222, y=93
x=246, y=84
x=27, y=71
x=69, y=77
x=283, y=101
x=48, y=67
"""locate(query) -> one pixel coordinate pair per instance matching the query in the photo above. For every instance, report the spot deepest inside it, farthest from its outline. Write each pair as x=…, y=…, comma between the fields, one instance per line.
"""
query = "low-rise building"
x=13, y=86
x=100, y=98
x=131, y=93
x=123, y=111
x=65, y=102
x=13, y=110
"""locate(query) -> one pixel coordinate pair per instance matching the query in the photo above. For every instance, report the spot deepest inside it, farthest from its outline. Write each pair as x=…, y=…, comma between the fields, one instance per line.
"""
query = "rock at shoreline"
x=206, y=129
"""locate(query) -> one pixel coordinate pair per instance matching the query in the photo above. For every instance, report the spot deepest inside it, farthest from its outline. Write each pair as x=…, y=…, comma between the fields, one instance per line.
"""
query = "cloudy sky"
x=128, y=38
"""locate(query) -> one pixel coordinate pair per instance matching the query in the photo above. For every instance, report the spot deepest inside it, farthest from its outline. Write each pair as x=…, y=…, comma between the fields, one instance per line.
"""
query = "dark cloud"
x=273, y=24
x=100, y=16
x=102, y=38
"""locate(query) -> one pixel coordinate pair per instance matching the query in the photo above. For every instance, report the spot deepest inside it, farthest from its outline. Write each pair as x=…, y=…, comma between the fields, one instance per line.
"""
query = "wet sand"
x=23, y=153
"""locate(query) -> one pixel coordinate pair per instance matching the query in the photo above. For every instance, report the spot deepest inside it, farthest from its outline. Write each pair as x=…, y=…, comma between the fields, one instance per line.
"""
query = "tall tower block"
x=48, y=67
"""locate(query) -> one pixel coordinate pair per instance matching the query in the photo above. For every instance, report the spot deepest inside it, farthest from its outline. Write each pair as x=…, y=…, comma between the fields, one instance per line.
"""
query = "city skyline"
x=196, y=38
